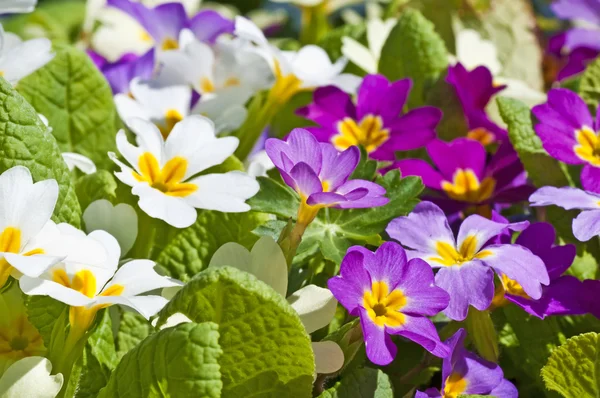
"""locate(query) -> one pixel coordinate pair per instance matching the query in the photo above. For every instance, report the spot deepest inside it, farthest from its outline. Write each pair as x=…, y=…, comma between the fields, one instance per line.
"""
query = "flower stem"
x=144, y=243
x=483, y=334
x=314, y=23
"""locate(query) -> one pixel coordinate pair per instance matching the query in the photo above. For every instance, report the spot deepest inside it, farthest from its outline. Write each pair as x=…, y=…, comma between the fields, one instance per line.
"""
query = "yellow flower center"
x=482, y=135
x=449, y=256
x=20, y=339
x=369, y=133
x=169, y=44
x=285, y=87
x=168, y=179
x=10, y=242
x=455, y=386
x=383, y=306
x=207, y=86
x=466, y=187
x=232, y=82
x=172, y=117
x=145, y=37
x=513, y=287
x=589, y=146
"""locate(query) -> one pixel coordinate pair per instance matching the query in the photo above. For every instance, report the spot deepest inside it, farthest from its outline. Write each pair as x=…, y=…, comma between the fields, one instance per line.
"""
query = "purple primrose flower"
x=392, y=296
x=120, y=73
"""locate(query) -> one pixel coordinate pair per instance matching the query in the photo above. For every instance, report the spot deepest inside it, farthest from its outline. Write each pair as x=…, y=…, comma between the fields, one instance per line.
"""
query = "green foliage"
x=96, y=186
x=132, y=328
x=413, y=49
x=332, y=43
x=43, y=313
x=589, y=85
x=454, y=123
x=72, y=93
x=24, y=141
x=361, y=383
x=573, y=369
x=275, y=198
x=182, y=361
x=266, y=351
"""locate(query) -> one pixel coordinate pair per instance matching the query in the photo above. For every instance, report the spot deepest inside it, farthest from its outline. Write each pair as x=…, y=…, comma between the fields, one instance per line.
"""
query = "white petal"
x=139, y=276
x=520, y=90
x=129, y=108
x=147, y=306
x=472, y=51
x=17, y=6
x=260, y=163
x=83, y=163
x=30, y=377
x=313, y=66
x=119, y=34
x=359, y=55
x=148, y=136
x=378, y=32
x=42, y=287
x=246, y=29
x=157, y=99
x=174, y=211
x=329, y=357
x=126, y=173
x=347, y=82
x=173, y=320
x=25, y=59
x=32, y=266
x=315, y=305
x=223, y=192
x=120, y=221
x=130, y=152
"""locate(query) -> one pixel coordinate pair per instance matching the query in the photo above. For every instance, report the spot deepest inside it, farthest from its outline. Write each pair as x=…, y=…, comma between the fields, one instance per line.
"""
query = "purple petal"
x=577, y=9
x=482, y=230
x=582, y=37
x=586, y=225
x=356, y=194
x=429, y=393
x=474, y=88
x=424, y=226
x=414, y=130
x=327, y=199
x=420, y=168
x=300, y=146
x=373, y=198
x=462, y=153
x=422, y=331
x=482, y=376
x=121, y=73
x=520, y=265
x=381, y=350
x=377, y=97
x=417, y=285
x=307, y=181
x=566, y=197
x=387, y=264
x=505, y=389
x=590, y=178
x=576, y=62
x=329, y=106
x=349, y=287
x=336, y=166
x=207, y=25
x=469, y=284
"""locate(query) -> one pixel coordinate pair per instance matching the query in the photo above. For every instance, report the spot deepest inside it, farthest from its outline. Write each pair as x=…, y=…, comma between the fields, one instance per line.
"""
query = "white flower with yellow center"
x=367, y=58
x=165, y=173
x=20, y=58
x=30, y=377
x=89, y=288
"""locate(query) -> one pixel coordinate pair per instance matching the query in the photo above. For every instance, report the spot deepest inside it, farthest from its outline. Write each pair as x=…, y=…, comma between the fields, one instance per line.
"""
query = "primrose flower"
x=464, y=373
x=20, y=58
x=165, y=22
x=119, y=74
x=569, y=133
x=89, y=288
x=466, y=264
x=315, y=306
x=464, y=177
x=367, y=58
x=587, y=224
x=565, y=63
x=163, y=173
x=294, y=71
x=376, y=122
x=392, y=296
x=319, y=174
x=17, y=6
x=580, y=36
x=30, y=377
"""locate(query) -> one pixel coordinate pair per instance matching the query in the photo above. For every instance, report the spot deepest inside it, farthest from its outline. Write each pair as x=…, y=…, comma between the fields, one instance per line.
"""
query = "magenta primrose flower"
x=319, y=173
x=392, y=296
x=466, y=264
x=570, y=134
x=464, y=373
x=465, y=176
x=376, y=122
x=119, y=74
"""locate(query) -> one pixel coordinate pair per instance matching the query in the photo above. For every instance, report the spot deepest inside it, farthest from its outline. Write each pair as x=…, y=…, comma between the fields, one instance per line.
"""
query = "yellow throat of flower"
x=285, y=87
x=10, y=242
x=449, y=256
x=369, y=133
x=172, y=117
x=588, y=147
x=466, y=187
x=482, y=135
x=18, y=340
x=455, y=385
x=168, y=179
x=383, y=306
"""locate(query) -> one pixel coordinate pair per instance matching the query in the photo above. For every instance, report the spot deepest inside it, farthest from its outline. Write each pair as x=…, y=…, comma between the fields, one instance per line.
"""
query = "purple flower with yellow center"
x=464, y=373
x=581, y=10
x=466, y=264
x=319, y=174
x=563, y=66
x=570, y=134
x=119, y=74
x=165, y=22
x=465, y=176
x=392, y=296
x=475, y=89
x=376, y=121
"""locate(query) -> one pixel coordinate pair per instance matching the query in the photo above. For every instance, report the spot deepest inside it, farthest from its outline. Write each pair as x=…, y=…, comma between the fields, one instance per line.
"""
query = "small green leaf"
x=78, y=102
x=361, y=383
x=182, y=361
x=415, y=50
x=366, y=169
x=43, y=312
x=92, y=187
x=573, y=369
x=265, y=346
x=589, y=85
x=275, y=198
x=132, y=329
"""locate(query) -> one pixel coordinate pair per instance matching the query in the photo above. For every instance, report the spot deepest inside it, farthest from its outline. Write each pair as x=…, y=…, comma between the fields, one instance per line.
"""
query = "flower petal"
x=315, y=306
x=223, y=192
x=329, y=357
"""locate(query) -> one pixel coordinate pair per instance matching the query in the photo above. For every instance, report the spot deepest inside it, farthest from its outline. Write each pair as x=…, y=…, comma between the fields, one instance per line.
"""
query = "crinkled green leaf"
x=78, y=102
x=264, y=343
x=132, y=329
x=96, y=186
x=361, y=383
x=190, y=251
x=43, y=313
x=275, y=198
x=415, y=50
x=182, y=361
x=24, y=141
x=589, y=85
x=573, y=369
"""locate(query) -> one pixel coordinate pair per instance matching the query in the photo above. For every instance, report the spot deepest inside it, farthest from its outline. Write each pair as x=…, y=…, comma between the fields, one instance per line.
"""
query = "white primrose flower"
x=315, y=305
x=89, y=288
x=17, y=6
x=163, y=173
x=20, y=58
x=76, y=160
x=367, y=58
x=121, y=221
x=259, y=163
x=30, y=378
x=30, y=242
x=308, y=68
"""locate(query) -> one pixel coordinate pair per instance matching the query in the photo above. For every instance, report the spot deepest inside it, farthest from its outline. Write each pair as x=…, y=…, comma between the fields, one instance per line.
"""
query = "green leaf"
x=190, y=251
x=92, y=187
x=44, y=312
x=265, y=347
x=132, y=329
x=454, y=123
x=78, y=102
x=332, y=43
x=361, y=383
x=25, y=141
x=573, y=369
x=182, y=361
x=414, y=49
x=275, y=198
x=589, y=85
x=366, y=169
